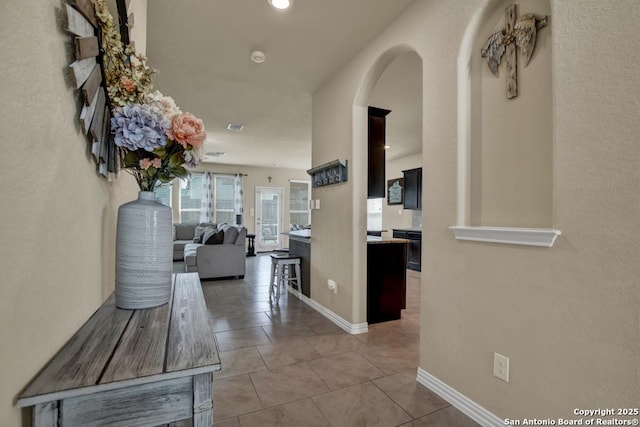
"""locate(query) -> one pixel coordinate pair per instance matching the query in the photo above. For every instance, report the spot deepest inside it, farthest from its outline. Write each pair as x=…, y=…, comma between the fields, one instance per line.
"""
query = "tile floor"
x=288, y=365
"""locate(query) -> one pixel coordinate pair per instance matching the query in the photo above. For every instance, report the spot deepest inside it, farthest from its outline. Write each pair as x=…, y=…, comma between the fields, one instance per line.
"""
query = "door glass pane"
x=269, y=228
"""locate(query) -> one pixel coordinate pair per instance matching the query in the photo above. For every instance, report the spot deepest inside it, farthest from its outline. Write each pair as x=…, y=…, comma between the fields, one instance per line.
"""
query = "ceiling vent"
x=215, y=153
x=235, y=127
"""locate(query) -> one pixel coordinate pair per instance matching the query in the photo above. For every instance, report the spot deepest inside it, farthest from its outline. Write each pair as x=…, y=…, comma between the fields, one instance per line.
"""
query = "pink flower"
x=187, y=130
x=146, y=163
x=128, y=84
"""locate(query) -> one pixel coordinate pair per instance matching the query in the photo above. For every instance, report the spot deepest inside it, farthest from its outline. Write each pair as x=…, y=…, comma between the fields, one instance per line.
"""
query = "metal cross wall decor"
x=519, y=32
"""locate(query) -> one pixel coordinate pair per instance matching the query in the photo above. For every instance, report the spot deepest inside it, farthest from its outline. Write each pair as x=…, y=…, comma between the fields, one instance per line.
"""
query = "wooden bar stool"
x=281, y=273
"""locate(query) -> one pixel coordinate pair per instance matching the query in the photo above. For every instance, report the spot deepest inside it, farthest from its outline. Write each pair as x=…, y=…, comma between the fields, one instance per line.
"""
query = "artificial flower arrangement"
x=155, y=137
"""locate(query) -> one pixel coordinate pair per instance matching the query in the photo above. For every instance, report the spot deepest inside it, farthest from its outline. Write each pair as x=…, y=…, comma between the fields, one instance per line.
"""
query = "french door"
x=268, y=218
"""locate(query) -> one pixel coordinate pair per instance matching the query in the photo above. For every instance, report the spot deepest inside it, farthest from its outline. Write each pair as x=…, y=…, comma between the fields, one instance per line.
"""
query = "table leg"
x=45, y=414
x=251, y=250
x=203, y=400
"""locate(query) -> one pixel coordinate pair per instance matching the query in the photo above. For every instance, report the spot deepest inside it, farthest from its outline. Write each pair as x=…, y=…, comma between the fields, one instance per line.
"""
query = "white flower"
x=192, y=157
x=166, y=104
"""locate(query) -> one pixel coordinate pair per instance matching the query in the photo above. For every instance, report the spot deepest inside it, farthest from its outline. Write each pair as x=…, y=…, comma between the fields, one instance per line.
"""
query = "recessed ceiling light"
x=235, y=127
x=280, y=4
x=258, y=56
x=386, y=147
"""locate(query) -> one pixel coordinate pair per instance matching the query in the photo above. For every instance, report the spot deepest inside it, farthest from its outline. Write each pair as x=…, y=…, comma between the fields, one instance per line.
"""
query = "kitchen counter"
x=299, y=234
x=382, y=240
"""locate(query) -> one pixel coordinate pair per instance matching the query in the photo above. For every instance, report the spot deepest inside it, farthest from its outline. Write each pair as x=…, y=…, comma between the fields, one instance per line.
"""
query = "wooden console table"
x=133, y=367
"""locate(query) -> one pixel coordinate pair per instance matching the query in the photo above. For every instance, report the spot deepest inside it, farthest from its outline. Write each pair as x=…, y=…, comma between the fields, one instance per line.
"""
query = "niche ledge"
x=544, y=237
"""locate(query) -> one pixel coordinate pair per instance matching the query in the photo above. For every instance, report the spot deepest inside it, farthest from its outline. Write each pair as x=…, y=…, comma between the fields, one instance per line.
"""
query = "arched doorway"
x=394, y=82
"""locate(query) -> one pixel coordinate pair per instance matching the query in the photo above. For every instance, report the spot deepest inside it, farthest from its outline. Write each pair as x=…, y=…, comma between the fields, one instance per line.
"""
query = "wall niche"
x=511, y=140
x=505, y=142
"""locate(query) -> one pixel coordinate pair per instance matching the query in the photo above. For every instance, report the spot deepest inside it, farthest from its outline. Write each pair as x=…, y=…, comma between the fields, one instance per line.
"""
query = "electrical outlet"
x=501, y=367
x=317, y=203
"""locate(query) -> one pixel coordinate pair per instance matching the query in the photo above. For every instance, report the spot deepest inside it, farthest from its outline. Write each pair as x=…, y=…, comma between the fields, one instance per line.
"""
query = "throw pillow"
x=212, y=236
x=197, y=236
x=230, y=235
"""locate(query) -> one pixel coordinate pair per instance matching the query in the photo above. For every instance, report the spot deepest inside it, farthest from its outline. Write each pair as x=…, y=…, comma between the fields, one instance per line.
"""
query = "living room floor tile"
x=391, y=358
x=344, y=369
x=223, y=301
x=254, y=307
x=412, y=396
x=220, y=312
x=279, y=331
x=330, y=344
x=229, y=422
x=287, y=381
x=234, y=396
x=219, y=325
x=239, y=338
x=287, y=352
x=287, y=384
x=256, y=297
x=361, y=405
x=380, y=335
x=448, y=417
x=238, y=362
x=248, y=320
x=296, y=414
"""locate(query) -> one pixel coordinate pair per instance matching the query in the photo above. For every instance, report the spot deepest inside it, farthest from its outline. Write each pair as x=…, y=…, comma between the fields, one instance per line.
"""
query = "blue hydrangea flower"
x=139, y=126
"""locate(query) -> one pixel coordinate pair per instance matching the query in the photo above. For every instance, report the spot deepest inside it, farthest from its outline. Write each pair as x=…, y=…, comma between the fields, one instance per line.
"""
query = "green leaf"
x=160, y=152
x=175, y=160
x=131, y=160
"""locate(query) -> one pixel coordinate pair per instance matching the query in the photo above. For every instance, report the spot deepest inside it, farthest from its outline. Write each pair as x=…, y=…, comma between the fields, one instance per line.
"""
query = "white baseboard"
x=459, y=401
x=352, y=328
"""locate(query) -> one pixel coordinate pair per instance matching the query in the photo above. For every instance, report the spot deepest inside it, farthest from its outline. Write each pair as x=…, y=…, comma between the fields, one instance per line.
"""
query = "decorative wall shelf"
x=333, y=172
x=545, y=237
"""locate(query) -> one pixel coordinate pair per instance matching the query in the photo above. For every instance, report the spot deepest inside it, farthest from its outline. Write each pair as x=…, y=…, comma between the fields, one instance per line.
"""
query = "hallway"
x=290, y=366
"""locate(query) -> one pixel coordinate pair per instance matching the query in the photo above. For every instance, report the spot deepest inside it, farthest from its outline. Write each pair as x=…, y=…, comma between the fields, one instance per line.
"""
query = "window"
x=163, y=194
x=299, y=212
x=224, y=194
x=190, y=199
x=223, y=201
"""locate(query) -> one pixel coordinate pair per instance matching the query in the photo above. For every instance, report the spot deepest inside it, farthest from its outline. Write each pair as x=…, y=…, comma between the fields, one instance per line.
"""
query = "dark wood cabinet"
x=386, y=280
x=376, y=153
x=413, y=188
x=302, y=247
x=414, y=248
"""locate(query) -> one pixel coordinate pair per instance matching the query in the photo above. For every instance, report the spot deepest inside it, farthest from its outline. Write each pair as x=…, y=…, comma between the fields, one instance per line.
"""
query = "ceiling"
x=201, y=49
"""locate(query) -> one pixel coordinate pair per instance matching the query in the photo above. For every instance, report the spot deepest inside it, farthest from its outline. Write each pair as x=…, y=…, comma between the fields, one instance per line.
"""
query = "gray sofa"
x=226, y=259
x=183, y=234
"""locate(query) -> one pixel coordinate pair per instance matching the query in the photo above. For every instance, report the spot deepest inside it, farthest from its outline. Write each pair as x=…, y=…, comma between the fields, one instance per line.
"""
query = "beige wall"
x=57, y=214
x=566, y=316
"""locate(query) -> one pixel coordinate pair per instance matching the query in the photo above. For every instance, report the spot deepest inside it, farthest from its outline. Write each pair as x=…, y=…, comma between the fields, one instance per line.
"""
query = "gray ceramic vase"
x=144, y=253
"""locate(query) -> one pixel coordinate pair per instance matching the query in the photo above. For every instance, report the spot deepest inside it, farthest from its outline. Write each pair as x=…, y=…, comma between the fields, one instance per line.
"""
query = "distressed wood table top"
x=119, y=348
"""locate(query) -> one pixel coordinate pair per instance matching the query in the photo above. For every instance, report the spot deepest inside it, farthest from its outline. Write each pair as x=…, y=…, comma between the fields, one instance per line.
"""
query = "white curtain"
x=206, y=208
x=238, y=198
